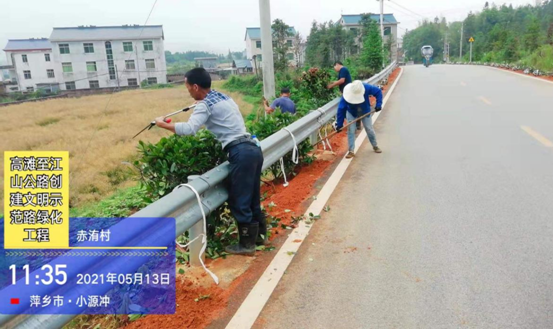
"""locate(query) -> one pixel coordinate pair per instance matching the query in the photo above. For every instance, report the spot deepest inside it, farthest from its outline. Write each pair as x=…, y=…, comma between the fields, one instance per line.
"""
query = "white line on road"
x=522, y=74
x=257, y=298
x=542, y=139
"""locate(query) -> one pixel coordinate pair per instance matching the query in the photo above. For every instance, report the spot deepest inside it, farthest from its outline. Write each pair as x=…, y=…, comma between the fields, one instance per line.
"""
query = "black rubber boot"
x=262, y=237
x=246, y=245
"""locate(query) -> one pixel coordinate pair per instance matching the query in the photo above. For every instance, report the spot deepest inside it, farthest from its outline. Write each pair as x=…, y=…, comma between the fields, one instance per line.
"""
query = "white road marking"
x=255, y=301
x=522, y=75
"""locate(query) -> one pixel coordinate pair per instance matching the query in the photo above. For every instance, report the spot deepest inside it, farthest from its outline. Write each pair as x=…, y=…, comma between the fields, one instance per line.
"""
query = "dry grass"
x=96, y=134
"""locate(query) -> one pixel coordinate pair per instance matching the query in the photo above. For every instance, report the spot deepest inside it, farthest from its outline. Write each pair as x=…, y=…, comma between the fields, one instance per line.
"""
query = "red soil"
x=193, y=315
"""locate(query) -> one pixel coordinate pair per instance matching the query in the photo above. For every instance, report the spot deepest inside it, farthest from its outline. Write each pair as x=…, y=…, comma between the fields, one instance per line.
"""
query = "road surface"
x=450, y=227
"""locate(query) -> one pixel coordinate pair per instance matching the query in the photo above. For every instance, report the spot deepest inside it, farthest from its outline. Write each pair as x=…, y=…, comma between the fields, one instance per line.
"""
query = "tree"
x=532, y=36
x=229, y=56
x=281, y=34
x=297, y=48
x=372, y=52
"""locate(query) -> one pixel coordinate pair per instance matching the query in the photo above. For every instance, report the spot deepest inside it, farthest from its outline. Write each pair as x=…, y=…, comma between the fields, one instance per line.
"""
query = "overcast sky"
x=211, y=25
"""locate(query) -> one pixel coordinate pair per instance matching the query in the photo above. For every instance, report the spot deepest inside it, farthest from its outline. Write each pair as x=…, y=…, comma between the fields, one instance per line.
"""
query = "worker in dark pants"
x=220, y=115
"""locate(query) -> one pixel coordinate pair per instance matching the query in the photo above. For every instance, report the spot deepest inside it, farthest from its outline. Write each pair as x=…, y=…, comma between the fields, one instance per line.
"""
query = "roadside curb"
x=251, y=307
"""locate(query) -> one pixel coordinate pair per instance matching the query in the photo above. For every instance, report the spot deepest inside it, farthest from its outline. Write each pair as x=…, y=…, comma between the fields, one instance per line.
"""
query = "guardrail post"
x=195, y=231
x=314, y=137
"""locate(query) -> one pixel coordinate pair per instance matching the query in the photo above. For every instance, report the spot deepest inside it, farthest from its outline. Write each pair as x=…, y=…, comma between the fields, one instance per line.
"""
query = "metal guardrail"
x=183, y=205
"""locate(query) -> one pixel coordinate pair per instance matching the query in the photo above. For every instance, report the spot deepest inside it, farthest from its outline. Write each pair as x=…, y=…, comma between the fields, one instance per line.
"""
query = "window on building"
x=150, y=64
x=127, y=46
x=64, y=49
x=24, y=58
x=148, y=46
x=387, y=31
x=152, y=81
x=129, y=65
x=111, y=64
x=259, y=58
x=70, y=86
x=132, y=82
x=67, y=67
x=30, y=89
x=289, y=43
x=354, y=30
x=258, y=44
x=94, y=84
x=91, y=67
x=47, y=57
x=14, y=89
x=290, y=56
x=27, y=74
x=88, y=48
x=50, y=73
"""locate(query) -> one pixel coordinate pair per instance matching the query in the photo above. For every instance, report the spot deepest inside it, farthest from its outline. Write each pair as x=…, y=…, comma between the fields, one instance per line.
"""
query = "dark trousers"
x=244, y=182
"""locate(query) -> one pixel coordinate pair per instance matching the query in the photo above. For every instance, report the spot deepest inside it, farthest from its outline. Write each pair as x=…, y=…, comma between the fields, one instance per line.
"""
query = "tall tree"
x=281, y=46
x=297, y=48
x=372, y=52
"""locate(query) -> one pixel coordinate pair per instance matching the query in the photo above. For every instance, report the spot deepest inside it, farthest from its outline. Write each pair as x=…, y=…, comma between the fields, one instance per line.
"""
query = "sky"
x=212, y=25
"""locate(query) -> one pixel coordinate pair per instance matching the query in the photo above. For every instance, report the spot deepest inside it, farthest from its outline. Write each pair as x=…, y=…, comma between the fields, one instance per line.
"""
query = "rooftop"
x=241, y=64
x=255, y=32
x=355, y=19
x=28, y=44
x=105, y=33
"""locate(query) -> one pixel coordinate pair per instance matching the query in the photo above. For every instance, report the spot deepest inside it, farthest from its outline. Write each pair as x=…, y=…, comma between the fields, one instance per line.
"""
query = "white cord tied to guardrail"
x=325, y=140
x=203, y=236
x=295, y=156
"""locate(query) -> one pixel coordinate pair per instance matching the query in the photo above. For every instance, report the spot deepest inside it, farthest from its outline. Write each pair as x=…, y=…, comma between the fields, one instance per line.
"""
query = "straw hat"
x=354, y=92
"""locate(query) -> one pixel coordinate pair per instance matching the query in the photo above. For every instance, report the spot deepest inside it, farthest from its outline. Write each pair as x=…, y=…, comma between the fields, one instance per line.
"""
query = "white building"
x=108, y=56
x=30, y=65
x=353, y=22
x=253, y=45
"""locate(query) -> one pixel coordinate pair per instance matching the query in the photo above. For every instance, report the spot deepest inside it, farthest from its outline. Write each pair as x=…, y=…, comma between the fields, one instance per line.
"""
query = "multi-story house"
x=353, y=22
x=253, y=45
x=30, y=65
x=90, y=57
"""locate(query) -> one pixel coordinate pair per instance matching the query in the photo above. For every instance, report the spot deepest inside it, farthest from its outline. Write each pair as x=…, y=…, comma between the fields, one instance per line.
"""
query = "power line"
x=405, y=12
x=397, y=4
x=114, y=90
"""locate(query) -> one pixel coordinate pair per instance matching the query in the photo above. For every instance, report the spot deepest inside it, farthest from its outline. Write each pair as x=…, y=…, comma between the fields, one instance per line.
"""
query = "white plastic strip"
x=251, y=307
x=203, y=236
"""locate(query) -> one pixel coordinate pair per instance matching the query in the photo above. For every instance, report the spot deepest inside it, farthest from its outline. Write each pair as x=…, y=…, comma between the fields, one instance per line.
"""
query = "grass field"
x=97, y=132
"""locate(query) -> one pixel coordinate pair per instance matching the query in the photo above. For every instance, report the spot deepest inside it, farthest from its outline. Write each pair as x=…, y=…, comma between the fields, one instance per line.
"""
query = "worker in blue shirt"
x=344, y=77
x=355, y=102
x=284, y=103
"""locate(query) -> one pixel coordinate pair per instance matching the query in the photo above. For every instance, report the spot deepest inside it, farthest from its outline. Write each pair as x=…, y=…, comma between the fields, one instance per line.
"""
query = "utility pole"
x=267, y=49
x=117, y=75
x=382, y=20
x=137, y=66
x=470, y=61
x=461, y=42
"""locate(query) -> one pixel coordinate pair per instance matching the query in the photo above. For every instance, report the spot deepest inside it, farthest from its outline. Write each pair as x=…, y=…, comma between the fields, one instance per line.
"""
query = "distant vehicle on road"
x=427, y=52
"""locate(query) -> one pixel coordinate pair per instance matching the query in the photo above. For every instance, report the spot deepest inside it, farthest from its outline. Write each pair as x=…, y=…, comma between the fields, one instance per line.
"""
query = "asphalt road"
x=450, y=227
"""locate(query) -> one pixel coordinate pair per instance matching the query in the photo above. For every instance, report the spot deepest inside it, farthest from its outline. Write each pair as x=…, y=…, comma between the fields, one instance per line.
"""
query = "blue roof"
x=355, y=19
x=255, y=32
x=28, y=44
x=240, y=64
